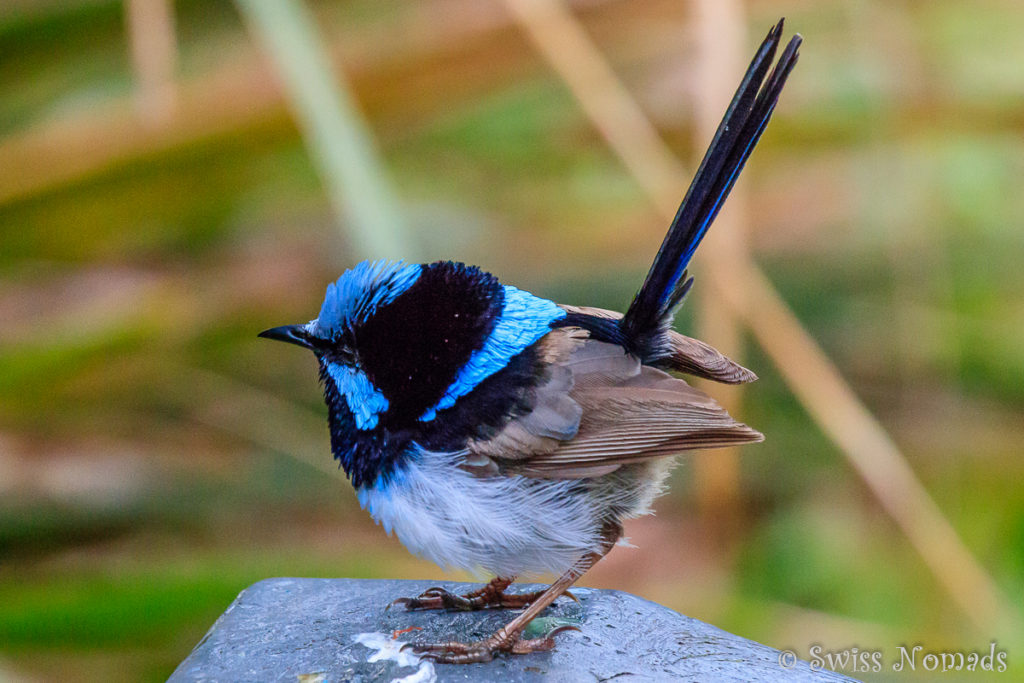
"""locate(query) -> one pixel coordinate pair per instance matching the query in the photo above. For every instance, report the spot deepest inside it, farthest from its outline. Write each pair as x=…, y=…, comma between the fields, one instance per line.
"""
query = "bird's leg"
x=509, y=637
x=491, y=595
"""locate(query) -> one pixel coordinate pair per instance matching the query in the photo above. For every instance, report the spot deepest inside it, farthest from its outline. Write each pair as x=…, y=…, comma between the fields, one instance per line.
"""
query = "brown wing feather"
x=690, y=356
x=649, y=416
x=601, y=409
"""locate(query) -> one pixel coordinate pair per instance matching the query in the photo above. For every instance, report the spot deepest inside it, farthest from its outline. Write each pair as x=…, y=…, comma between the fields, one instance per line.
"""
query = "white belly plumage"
x=508, y=526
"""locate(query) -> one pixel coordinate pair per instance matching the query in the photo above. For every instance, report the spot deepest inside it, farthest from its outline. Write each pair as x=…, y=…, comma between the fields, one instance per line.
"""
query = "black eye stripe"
x=412, y=348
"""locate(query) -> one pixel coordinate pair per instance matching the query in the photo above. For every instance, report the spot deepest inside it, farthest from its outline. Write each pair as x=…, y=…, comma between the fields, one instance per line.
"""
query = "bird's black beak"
x=293, y=334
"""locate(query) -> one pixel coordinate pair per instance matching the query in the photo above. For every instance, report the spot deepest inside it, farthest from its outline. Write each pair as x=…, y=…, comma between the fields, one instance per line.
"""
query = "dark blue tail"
x=650, y=314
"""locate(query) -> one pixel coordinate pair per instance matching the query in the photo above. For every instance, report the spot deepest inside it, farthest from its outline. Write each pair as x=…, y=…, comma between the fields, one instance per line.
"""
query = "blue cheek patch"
x=524, y=319
x=363, y=399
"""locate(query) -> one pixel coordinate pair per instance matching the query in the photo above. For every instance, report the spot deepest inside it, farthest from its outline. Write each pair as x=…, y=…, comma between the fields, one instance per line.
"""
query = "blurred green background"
x=147, y=437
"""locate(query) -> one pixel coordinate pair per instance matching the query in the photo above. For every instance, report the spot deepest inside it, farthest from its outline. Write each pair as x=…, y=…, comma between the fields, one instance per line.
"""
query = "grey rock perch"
x=306, y=630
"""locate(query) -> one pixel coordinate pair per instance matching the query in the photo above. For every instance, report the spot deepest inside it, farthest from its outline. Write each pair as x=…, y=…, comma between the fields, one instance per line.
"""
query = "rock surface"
x=315, y=630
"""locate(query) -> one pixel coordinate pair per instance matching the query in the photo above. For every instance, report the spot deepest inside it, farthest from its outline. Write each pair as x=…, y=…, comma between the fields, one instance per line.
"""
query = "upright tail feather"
x=650, y=313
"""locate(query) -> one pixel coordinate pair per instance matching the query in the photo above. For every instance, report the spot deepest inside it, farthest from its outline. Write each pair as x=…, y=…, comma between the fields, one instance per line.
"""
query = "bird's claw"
x=440, y=598
x=564, y=627
x=483, y=650
x=433, y=598
x=397, y=601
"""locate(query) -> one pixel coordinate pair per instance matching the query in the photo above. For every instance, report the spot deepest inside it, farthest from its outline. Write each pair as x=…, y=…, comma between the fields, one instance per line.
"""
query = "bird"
x=494, y=430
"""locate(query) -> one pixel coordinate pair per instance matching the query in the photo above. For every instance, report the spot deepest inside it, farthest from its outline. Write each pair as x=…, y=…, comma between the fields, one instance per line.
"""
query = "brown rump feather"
x=689, y=356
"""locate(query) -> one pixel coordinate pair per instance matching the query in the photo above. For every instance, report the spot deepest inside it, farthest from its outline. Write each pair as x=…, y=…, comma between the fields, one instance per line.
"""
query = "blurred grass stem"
x=721, y=38
x=335, y=132
x=154, y=54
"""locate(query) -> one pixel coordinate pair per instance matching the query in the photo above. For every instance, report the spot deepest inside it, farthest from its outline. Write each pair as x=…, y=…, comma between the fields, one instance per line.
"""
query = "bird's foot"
x=491, y=595
x=484, y=650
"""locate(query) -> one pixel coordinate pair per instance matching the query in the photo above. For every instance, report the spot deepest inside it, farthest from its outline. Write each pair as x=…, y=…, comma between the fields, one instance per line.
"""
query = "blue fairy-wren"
x=491, y=429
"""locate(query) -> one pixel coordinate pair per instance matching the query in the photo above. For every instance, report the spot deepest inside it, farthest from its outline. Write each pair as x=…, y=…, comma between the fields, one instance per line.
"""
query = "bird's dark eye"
x=339, y=352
